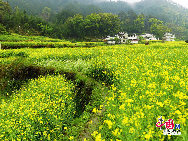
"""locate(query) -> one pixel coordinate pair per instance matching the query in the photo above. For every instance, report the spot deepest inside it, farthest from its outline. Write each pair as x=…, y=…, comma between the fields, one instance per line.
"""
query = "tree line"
x=70, y=24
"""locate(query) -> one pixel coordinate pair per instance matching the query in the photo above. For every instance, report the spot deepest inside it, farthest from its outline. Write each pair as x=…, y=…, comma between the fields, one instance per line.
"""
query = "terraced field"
x=99, y=93
x=15, y=41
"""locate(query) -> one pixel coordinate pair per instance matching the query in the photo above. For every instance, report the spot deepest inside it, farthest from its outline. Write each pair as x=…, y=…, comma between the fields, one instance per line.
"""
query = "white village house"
x=169, y=37
x=123, y=38
x=110, y=40
x=133, y=38
x=148, y=37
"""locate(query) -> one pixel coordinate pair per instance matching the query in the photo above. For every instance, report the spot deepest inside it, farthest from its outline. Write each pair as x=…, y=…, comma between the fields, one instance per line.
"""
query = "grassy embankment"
x=15, y=41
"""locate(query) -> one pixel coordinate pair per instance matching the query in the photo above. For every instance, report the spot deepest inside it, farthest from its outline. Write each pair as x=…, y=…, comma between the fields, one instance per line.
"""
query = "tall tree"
x=101, y=25
x=64, y=15
x=73, y=27
x=128, y=21
x=140, y=24
x=46, y=12
x=4, y=10
x=109, y=24
x=158, y=28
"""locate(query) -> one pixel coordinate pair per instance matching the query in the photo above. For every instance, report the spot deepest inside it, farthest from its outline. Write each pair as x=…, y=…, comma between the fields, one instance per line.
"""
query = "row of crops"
x=18, y=38
x=100, y=93
x=17, y=41
x=15, y=45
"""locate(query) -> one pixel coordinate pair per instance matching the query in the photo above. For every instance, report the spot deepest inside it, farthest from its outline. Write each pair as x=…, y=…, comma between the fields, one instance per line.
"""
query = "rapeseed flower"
x=71, y=138
x=95, y=133
x=109, y=123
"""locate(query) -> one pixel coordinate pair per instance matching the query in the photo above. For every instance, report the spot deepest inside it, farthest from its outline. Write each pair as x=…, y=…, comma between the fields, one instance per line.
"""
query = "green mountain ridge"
x=173, y=15
x=165, y=10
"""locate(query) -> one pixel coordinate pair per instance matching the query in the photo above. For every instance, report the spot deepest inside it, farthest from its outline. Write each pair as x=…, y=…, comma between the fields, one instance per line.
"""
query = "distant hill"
x=165, y=10
x=35, y=7
x=171, y=13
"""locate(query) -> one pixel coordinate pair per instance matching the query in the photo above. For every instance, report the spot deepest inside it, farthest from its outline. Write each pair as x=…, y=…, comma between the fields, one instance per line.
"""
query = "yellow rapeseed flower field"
x=144, y=82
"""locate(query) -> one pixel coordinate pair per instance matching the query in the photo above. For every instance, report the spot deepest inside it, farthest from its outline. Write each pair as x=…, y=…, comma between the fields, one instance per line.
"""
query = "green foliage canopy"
x=157, y=28
x=93, y=26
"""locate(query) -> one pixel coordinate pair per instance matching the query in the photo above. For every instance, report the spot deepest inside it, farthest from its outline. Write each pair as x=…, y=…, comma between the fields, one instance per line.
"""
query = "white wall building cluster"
x=123, y=38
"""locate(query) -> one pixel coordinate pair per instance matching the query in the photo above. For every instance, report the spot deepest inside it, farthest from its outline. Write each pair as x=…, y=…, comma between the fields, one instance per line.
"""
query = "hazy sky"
x=181, y=2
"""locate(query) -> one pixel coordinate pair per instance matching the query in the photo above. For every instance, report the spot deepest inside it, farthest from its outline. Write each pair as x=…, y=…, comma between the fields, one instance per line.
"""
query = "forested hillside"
x=36, y=6
x=152, y=16
x=162, y=9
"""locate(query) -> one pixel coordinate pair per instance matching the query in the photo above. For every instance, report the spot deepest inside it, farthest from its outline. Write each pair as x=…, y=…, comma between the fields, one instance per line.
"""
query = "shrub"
x=2, y=29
